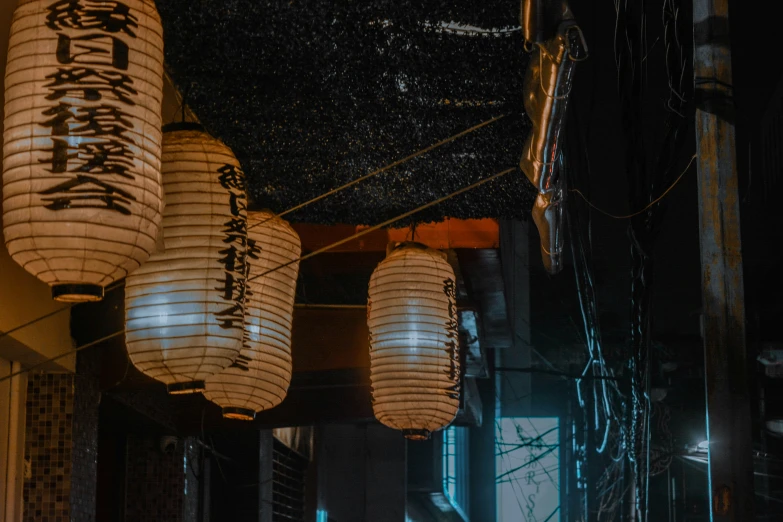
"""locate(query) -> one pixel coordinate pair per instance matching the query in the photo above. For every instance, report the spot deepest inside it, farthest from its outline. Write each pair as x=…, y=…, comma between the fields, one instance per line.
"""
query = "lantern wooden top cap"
x=416, y=434
x=395, y=246
x=184, y=126
x=243, y=414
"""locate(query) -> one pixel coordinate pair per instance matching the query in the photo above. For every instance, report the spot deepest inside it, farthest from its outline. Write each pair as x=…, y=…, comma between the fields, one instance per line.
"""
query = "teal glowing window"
x=455, y=467
x=527, y=463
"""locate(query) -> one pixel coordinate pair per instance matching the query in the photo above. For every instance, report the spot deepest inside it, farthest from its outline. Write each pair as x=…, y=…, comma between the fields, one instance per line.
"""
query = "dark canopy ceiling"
x=312, y=94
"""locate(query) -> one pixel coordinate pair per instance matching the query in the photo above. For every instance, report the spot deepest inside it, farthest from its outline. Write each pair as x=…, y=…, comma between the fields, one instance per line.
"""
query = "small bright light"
x=321, y=516
x=703, y=446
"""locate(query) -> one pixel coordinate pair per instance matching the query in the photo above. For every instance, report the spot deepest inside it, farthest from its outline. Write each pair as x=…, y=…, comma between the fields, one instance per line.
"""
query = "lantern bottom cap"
x=239, y=414
x=416, y=434
x=181, y=388
x=77, y=292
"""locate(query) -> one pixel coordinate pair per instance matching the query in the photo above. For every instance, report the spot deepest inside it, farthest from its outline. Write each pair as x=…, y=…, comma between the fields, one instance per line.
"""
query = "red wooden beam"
x=448, y=234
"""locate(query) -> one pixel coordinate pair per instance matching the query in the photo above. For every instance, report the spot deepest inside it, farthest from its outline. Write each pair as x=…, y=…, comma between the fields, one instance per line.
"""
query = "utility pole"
x=725, y=358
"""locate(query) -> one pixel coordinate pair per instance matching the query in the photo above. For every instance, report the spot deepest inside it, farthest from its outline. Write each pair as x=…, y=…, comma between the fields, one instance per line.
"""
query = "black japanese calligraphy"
x=233, y=286
x=242, y=363
x=231, y=258
x=98, y=121
x=232, y=317
x=89, y=128
x=87, y=192
x=102, y=152
x=253, y=249
x=100, y=15
x=95, y=158
x=231, y=178
x=235, y=229
x=90, y=84
x=92, y=49
x=452, y=335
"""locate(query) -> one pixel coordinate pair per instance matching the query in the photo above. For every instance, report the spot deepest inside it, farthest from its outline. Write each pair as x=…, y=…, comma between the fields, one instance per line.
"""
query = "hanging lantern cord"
x=388, y=222
x=184, y=102
x=108, y=289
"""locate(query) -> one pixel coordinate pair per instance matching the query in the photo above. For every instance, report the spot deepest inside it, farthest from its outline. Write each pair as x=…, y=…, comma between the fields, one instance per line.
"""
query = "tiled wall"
x=48, y=448
x=61, y=444
x=87, y=399
x=193, y=473
x=154, y=481
x=161, y=487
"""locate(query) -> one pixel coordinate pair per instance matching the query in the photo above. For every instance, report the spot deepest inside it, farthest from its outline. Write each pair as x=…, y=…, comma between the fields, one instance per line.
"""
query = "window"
x=288, y=484
x=527, y=460
x=455, y=467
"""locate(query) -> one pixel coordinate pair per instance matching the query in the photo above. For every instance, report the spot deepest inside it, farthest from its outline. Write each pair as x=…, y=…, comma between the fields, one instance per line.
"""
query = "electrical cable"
x=558, y=373
x=62, y=355
x=387, y=222
x=183, y=107
x=382, y=169
x=646, y=208
x=108, y=289
x=302, y=258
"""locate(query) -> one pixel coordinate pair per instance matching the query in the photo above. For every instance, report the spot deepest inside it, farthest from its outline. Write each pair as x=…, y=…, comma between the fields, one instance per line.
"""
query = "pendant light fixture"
x=414, y=345
x=259, y=378
x=184, y=308
x=82, y=197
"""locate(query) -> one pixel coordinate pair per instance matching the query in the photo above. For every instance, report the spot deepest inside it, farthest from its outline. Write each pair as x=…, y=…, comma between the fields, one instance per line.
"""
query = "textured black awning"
x=312, y=94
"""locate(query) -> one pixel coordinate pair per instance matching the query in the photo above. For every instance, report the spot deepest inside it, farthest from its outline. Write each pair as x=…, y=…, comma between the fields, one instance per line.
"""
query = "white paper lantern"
x=259, y=379
x=82, y=197
x=414, y=345
x=184, y=308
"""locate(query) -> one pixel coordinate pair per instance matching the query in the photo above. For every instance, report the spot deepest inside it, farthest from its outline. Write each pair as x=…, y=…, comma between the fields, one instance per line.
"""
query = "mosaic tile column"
x=48, y=448
x=162, y=486
x=84, y=456
x=61, y=443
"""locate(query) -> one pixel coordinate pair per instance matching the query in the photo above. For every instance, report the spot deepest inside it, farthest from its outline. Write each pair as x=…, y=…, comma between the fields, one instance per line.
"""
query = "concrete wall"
x=514, y=390
x=362, y=473
x=12, y=427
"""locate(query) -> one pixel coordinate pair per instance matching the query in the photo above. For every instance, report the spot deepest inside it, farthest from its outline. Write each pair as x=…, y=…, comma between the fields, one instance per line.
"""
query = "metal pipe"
x=13, y=501
x=547, y=88
x=728, y=403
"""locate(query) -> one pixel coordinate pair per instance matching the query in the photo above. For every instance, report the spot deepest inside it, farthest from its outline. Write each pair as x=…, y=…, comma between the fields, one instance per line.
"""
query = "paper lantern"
x=184, y=308
x=259, y=379
x=82, y=197
x=414, y=345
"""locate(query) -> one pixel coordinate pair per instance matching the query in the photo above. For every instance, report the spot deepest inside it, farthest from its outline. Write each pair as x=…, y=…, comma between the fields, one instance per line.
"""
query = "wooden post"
x=728, y=403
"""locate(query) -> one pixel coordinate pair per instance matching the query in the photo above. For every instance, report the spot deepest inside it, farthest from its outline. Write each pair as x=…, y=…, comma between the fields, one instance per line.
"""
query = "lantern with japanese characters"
x=414, y=345
x=82, y=196
x=184, y=308
x=259, y=379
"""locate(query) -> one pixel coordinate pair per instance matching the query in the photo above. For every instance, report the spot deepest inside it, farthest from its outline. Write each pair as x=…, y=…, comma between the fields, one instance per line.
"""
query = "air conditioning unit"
x=771, y=359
